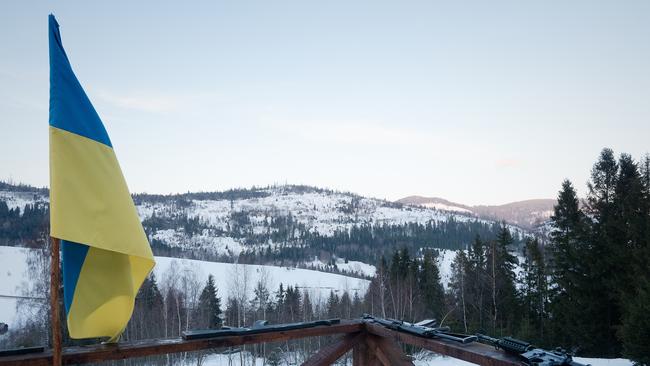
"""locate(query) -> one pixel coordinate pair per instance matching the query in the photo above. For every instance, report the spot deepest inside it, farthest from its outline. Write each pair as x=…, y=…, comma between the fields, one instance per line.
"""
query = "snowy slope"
x=14, y=272
x=310, y=209
x=318, y=284
x=20, y=199
x=322, y=212
x=446, y=258
x=352, y=267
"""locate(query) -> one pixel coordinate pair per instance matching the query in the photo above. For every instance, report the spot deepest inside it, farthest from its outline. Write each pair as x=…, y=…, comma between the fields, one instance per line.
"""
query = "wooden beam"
x=381, y=356
x=107, y=352
x=388, y=351
x=332, y=352
x=477, y=353
x=360, y=356
x=55, y=286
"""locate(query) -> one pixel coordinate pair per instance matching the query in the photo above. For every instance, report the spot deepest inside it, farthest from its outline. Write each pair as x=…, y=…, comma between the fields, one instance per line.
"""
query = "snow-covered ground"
x=423, y=358
x=14, y=272
x=20, y=199
x=228, y=277
x=224, y=245
x=444, y=207
x=321, y=212
x=426, y=358
x=445, y=259
x=352, y=267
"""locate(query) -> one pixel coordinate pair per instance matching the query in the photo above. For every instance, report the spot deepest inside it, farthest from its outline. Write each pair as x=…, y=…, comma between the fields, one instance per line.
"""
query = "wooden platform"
x=372, y=345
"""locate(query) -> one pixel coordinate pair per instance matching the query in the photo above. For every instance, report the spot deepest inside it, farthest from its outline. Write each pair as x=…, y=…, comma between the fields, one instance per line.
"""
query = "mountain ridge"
x=526, y=213
x=277, y=224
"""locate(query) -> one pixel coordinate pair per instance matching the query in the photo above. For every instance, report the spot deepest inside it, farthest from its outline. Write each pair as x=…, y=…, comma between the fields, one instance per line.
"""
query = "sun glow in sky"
x=477, y=102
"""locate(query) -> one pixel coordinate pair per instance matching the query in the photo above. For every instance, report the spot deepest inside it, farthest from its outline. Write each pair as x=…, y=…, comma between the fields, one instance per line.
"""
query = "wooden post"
x=360, y=354
x=55, y=285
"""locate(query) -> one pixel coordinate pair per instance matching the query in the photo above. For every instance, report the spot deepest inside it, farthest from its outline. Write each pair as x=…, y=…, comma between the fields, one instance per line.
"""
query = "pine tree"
x=534, y=292
x=600, y=293
x=569, y=251
x=307, y=307
x=292, y=306
x=333, y=308
x=635, y=331
x=458, y=285
x=210, y=305
x=476, y=276
x=635, y=328
x=629, y=221
x=501, y=274
x=430, y=287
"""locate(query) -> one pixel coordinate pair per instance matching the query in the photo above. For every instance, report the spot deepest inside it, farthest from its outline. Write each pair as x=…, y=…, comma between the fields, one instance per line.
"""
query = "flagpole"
x=55, y=285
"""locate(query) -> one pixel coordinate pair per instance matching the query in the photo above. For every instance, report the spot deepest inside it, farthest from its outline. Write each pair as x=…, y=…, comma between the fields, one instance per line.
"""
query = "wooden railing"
x=371, y=344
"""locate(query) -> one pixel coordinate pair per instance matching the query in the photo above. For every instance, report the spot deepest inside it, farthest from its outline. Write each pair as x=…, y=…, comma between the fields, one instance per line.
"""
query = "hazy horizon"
x=476, y=103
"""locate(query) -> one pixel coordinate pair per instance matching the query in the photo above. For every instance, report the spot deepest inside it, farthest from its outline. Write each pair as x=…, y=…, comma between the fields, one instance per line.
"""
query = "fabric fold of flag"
x=106, y=254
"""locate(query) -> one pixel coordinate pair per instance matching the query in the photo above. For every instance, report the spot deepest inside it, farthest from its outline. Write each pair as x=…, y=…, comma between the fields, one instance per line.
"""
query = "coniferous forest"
x=584, y=286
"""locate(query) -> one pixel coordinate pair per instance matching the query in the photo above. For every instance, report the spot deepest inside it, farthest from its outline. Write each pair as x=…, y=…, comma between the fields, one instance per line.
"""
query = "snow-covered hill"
x=272, y=220
x=15, y=275
x=318, y=211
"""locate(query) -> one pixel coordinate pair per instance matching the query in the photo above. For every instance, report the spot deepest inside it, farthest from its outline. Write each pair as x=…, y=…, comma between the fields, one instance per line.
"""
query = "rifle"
x=260, y=326
x=530, y=354
x=427, y=328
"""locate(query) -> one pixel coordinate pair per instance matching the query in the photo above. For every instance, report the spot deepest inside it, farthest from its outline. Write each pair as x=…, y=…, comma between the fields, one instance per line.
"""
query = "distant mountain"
x=526, y=214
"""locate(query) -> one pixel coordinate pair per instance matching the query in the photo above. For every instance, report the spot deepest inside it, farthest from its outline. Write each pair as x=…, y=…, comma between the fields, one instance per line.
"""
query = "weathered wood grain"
x=332, y=352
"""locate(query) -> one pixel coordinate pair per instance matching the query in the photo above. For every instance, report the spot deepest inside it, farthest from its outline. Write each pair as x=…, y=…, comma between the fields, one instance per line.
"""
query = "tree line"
x=587, y=287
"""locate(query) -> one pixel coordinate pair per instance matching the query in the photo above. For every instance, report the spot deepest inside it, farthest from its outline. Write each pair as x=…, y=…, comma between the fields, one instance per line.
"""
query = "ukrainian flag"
x=106, y=255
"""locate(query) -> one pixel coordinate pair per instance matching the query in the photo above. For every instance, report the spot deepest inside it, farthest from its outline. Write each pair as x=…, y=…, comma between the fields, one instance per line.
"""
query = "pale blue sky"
x=477, y=102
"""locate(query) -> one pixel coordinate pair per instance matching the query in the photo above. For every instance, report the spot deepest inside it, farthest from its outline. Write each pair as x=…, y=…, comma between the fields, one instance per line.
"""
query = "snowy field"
x=352, y=267
x=228, y=277
x=423, y=358
x=14, y=272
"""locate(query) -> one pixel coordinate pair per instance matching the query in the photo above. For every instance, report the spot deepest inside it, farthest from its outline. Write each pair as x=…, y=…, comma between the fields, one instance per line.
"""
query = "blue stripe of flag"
x=74, y=255
x=70, y=108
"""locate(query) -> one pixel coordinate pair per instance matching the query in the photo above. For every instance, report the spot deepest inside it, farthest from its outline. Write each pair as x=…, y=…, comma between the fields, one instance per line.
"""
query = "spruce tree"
x=568, y=266
x=635, y=300
x=210, y=305
x=635, y=331
x=307, y=307
x=601, y=294
x=430, y=287
x=458, y=286
x=629, y=234
x=501, y=264
x=534, y=292
x=476, y=276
